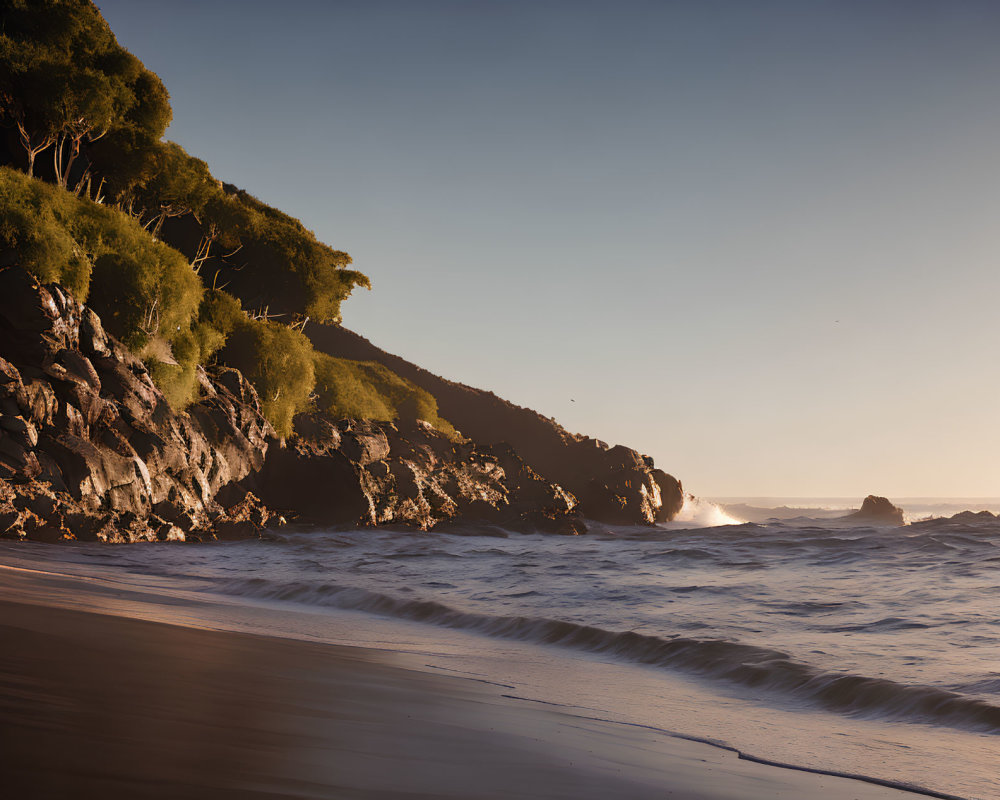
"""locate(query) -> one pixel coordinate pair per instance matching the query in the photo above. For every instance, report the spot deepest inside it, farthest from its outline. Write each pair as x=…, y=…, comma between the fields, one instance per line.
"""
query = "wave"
x=699, y=513
x=744, y=665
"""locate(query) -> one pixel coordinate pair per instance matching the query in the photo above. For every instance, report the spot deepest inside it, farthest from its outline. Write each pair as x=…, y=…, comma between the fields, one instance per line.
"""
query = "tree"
x=125, y=156
x=64, y=79
x=29, y=81
x=222, y=219
x=175, y=184
x=288, y=270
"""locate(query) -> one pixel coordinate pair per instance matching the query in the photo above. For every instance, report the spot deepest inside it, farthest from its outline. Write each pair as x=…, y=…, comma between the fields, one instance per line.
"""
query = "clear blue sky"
x=758, y=241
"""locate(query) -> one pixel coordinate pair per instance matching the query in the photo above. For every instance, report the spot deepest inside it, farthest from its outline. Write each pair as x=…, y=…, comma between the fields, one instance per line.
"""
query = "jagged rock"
x=876, y=511
x=90, y=449
x=671, y=495
x=246, y=519
x=363, y=443
x=354, y=472
x=90, y=441
x=616, y=485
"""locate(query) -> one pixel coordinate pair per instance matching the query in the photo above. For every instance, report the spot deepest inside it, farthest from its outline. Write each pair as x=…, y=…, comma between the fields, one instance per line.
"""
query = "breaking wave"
x=698, y=513
x=741, y=664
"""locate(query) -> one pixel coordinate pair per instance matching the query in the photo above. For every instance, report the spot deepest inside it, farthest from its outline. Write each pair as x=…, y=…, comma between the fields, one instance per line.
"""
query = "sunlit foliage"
x=65, y=82
x=369, y=390
x=141, y=287
x=278, y=360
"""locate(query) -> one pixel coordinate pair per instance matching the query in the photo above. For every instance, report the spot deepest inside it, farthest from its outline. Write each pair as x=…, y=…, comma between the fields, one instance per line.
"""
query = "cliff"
x=91, y=449
x=612, y=484
x=187, y=271
x=361, y=472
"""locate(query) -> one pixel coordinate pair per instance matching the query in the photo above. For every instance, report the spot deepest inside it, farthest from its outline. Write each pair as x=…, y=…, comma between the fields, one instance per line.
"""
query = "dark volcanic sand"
x=96, y=706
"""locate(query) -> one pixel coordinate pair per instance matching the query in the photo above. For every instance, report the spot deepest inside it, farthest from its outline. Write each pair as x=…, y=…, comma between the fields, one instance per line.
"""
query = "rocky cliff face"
x=358, y=472
x=613, y=484
x=90, y=448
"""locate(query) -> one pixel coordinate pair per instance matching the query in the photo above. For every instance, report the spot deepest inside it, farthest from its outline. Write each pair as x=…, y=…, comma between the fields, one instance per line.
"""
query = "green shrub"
x=132, y=267
x=140, y=287
x=278, y=361
x=220, y=312
x=179, y=381
x=144, y=291
x=368, y=390
x=218, y=316
x=283, y=266
x=32, y=233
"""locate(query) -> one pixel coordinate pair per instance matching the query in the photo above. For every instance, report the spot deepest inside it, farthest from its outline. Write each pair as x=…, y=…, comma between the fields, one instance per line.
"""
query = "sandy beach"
x=104, y=706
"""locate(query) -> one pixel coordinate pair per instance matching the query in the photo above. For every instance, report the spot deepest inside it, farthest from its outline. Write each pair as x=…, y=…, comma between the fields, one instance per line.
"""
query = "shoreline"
x=115, y=706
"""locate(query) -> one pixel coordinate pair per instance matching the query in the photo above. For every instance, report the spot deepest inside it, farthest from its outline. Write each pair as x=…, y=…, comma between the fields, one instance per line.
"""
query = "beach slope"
x=106, y=706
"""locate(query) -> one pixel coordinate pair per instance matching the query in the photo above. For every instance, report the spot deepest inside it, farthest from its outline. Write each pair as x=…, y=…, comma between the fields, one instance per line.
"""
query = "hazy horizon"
x=755, y=241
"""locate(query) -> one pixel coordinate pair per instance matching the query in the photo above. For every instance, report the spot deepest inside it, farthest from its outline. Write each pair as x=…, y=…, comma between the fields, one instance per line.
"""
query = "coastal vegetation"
x=369, y=390
x=183, y=268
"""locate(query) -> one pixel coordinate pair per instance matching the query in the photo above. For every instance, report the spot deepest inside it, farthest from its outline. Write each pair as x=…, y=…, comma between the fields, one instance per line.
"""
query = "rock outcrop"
x=964, y=522
x=90, y=448
x=876, y=511
x=358, y=472
x=613, y=484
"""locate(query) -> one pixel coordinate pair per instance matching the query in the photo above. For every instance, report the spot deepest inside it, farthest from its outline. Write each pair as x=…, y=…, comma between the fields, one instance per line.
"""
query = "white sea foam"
x=699, y=513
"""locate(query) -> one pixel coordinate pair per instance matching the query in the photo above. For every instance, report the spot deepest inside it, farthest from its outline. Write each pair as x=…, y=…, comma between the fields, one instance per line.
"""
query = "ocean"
x=792, y=638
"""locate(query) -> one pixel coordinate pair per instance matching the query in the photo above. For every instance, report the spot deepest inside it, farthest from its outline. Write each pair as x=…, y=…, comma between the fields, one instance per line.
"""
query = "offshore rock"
x=90, y=448
x=366, y=473
x=876, y=511
x=613, y=484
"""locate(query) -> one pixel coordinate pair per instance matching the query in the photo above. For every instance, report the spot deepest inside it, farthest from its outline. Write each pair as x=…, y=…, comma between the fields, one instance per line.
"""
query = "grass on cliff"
x=366, y=389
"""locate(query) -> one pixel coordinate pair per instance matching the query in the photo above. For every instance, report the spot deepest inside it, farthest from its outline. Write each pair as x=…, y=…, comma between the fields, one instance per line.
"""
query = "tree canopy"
x=65, y=81
x=181, y=267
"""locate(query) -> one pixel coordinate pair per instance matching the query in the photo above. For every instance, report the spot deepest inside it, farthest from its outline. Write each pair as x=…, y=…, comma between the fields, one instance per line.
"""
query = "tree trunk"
x=74, y=151
x=57, y=157
x=30, y=147
x=159, y=224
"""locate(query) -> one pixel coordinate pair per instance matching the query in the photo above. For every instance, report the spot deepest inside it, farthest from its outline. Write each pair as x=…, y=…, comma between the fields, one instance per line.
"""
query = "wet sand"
x=103, y=706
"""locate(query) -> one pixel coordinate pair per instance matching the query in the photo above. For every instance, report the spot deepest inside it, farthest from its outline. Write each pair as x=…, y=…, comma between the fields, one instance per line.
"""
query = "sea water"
x=864, y=650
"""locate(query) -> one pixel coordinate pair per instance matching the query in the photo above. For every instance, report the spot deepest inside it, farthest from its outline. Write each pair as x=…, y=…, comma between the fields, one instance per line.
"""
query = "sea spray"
x=699, y=513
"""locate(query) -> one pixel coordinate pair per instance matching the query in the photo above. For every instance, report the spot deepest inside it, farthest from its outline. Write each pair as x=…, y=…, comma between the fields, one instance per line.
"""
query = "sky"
x=757, y=241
